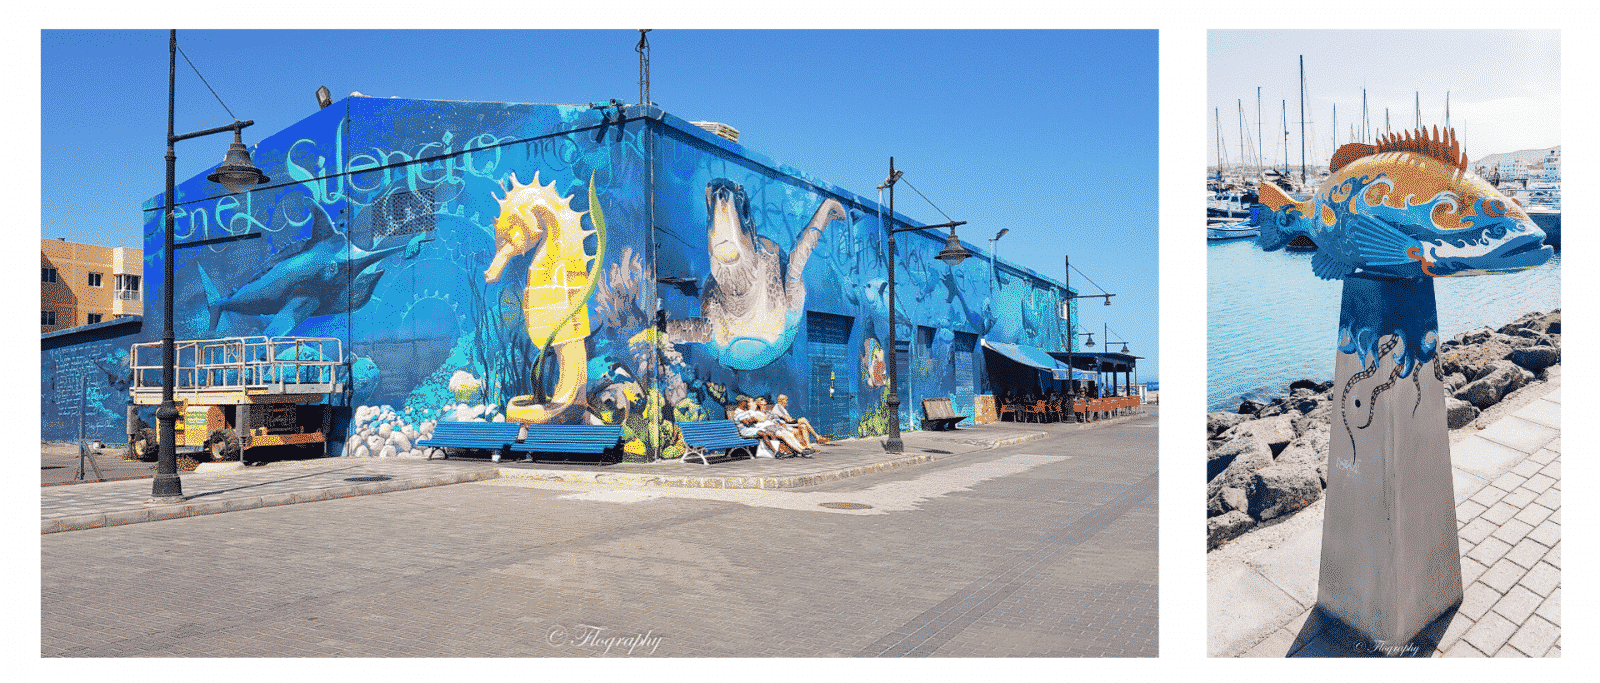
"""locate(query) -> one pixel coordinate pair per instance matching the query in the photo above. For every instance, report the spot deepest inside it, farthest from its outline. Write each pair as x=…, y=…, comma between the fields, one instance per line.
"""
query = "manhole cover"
x=375, y=477
x=846, y=506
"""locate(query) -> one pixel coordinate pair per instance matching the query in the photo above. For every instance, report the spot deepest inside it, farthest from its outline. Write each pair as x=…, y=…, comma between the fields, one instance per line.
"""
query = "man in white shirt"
x=801, y=425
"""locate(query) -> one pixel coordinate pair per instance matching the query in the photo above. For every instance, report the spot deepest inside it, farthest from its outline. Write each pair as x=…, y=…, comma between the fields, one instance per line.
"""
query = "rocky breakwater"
x=1267, y=462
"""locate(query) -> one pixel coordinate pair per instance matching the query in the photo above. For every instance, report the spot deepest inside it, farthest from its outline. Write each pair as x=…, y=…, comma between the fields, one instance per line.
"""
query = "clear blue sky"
x=1052, y=134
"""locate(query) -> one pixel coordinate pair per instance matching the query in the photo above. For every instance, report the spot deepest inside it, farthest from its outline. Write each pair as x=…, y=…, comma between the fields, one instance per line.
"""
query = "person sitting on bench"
x=756, y=425
x=800, y=425
x=781, y=429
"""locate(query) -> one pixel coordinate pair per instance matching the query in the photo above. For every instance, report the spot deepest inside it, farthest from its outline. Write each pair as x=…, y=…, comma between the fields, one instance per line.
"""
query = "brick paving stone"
x=1518, y=603
x=1551, y=608
x=1477, y=530
x=1487, y=496
x=1533, y=514
x=1535, y=637
x=1539, y=482
x=1512, y=531
x=1470, y=570
x=1477, y=600
x=1551, y=498
x=1499, y=512
x=1509, y=481
x=1489, y=633
x=1489, y=551
x=1519, y=497
x=1527, y=552
x=1502, y=575
x=1468, y=510
x=1527, y=468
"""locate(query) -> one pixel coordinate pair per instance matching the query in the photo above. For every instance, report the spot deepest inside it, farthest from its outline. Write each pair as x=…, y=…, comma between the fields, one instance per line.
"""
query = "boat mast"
x=1302, y=120
x=1241, y=133
x=1261, y=148
x=1419, y=110
x=1364, y=126
x=1218, y=112
x=1335, y=126
x=1447, y=109
x=1284, y=114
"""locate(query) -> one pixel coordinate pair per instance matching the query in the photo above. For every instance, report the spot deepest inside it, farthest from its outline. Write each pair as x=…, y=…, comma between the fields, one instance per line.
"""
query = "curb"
x=693, y=482
x=155, y=513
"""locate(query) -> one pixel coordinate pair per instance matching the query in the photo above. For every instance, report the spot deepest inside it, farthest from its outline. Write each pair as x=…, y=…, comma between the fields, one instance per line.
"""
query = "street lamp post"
x=1073, y=324
x=237, y=174
x=952, y=254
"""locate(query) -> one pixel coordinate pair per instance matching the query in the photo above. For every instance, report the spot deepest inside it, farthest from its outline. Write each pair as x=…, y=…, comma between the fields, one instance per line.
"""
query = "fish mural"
x=536, y=218
x=755, y=295
x=321, y=275
x=1390, y=220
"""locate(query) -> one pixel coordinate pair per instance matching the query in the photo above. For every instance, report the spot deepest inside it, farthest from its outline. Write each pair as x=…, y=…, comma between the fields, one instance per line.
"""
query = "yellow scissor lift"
x=238, y=393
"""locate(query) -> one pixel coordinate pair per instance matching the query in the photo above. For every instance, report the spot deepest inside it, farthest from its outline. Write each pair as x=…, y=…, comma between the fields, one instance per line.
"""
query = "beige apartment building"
x=81, y=284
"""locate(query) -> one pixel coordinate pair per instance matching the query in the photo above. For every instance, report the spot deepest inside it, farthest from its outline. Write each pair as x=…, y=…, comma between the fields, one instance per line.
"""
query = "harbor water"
x=1271, y=322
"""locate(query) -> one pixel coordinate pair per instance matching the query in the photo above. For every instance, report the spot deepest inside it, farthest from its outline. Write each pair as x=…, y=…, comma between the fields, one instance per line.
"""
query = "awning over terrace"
x=1035, y=358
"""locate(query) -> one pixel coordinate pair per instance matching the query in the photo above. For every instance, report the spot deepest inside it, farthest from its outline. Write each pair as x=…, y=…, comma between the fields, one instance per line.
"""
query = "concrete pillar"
x=1390, y=560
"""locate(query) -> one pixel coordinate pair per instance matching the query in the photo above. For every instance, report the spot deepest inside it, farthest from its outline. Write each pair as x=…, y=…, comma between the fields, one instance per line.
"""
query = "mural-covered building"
x=566, y=264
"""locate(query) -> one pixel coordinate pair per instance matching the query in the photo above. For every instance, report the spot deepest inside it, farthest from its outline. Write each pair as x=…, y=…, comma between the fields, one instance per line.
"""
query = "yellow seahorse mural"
x=537, y=218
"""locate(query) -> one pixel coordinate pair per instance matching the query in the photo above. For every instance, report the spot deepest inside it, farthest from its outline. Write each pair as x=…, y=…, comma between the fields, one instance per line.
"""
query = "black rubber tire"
x=223, y=445
x=144, y=445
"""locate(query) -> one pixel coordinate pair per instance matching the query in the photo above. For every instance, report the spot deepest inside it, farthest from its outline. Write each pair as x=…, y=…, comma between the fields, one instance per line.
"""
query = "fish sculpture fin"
x=1330, y=268
x=1350, y=152
x=1379, y=243
x=1283, y=218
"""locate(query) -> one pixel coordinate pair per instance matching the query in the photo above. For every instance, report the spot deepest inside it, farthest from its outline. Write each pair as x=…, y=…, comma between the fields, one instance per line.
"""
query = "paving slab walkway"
x=1508, y=511
x=100, y=504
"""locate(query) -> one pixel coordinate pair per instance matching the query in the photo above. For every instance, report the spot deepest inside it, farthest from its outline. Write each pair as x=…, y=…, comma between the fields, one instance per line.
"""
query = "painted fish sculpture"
x=322, y=275
x=1405, y=208
x=1390, y=219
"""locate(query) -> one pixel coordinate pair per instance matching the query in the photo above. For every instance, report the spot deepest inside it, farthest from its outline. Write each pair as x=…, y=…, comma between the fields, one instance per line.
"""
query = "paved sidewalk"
x=1508, y=509
x=100, y=504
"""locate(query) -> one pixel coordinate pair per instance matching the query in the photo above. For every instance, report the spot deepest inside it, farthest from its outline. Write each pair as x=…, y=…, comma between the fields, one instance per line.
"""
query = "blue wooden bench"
x=568, y=439
x=704, y=438
x=487, y=436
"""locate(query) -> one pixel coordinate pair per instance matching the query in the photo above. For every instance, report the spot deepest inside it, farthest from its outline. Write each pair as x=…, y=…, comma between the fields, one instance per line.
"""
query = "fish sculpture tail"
x=1282, y=218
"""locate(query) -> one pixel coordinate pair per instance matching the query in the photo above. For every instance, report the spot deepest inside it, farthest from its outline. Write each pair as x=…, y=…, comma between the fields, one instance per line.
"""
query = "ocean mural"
x=573, y=265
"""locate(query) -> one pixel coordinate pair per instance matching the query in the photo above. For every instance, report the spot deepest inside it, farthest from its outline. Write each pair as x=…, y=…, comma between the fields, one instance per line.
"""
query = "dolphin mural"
x=321, y=275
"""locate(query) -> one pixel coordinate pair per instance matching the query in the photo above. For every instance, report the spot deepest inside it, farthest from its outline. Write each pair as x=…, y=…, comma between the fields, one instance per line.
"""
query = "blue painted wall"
x=485, y=261
x=84, y=377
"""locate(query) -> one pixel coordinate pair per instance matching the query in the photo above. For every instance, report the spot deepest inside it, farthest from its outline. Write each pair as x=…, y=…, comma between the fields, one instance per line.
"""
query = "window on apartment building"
x=94, y=279
x=127, y=286
x=47, y=317
x=47, y=274
x=94, y=318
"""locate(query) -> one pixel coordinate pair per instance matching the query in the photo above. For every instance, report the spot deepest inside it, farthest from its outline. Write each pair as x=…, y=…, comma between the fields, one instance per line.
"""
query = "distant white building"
x=1513, y=169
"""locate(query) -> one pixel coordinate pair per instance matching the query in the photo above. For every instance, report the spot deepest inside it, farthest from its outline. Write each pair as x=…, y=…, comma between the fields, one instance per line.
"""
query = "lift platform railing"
x=286, y=365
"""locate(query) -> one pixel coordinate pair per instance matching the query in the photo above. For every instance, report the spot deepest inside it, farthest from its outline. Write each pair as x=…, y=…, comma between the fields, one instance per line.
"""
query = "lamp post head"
x=953, y=253
x=236, y=172
x=1090, y=343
